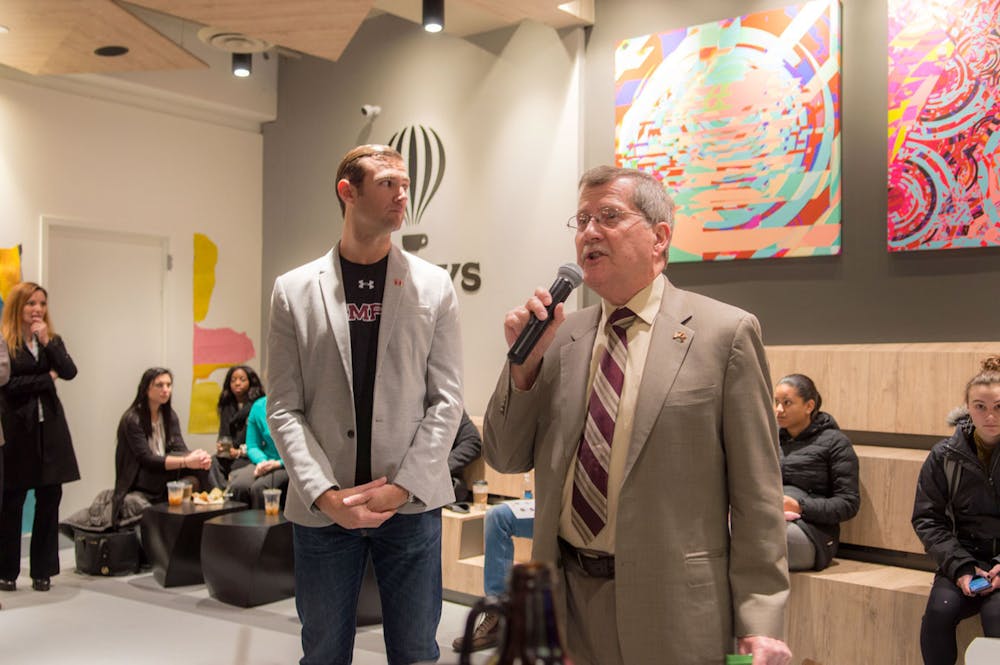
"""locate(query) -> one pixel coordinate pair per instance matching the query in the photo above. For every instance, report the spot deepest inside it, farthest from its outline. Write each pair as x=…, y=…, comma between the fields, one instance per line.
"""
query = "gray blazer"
x=704, y=439
x=418, y=383
x=4, y=372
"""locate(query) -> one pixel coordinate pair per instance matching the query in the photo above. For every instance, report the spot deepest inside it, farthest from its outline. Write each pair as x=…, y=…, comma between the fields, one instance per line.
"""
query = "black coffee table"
x=247, y=558
x=171, y=537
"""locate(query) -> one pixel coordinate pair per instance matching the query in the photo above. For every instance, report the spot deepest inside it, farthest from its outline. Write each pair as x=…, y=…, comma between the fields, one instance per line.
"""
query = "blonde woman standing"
x=38, y=453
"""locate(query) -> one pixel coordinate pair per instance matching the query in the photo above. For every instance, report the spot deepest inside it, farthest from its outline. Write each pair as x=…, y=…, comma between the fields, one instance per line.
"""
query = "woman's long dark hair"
x=140, y=405
x=254, y=392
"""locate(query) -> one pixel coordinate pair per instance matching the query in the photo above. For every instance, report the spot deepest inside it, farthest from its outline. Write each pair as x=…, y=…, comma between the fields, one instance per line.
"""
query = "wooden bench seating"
x=857, y=613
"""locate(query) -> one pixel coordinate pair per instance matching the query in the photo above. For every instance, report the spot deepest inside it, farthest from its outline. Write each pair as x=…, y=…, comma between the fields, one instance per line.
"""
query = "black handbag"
x=107, y=553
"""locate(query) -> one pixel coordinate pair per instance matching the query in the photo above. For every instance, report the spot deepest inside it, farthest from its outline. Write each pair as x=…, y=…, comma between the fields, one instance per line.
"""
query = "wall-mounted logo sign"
x=423, y=151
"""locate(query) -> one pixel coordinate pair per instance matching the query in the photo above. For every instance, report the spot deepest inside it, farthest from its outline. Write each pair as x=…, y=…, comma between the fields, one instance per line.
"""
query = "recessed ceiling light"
x=111, y=51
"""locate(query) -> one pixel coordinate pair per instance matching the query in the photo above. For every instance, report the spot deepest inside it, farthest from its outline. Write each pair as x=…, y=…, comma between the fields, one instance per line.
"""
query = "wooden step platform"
x=888, y=479
x=462, y=551
x=856, y=613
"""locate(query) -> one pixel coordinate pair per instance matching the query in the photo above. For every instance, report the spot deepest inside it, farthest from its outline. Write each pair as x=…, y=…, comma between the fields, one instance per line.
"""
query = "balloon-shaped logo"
x=423, y=151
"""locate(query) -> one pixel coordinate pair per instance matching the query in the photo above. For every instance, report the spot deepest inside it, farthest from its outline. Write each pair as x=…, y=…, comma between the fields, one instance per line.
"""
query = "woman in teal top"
x=266, y=469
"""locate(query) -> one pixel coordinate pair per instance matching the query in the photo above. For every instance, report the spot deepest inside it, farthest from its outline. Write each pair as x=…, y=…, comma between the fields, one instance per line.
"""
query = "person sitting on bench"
x=819, y=472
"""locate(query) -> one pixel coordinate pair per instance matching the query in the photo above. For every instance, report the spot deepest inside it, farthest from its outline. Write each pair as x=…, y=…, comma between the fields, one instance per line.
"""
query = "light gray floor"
x=132, y=619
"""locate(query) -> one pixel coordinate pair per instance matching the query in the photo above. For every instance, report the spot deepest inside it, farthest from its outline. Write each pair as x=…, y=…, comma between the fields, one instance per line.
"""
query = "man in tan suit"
x=654, y=569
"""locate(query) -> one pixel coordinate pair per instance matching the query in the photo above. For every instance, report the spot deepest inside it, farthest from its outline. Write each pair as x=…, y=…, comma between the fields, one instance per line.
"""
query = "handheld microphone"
x=568, y=278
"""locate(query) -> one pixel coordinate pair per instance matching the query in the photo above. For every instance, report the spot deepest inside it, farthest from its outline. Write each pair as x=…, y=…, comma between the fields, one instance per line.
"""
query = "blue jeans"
x=500, y=527
x=329, y=566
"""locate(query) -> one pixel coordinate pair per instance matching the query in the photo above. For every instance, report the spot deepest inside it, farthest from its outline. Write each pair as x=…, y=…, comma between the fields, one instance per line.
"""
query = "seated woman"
x=956, y=515
x=819, y=471
x=151, y=450
x=240, y=389
x=267, y=469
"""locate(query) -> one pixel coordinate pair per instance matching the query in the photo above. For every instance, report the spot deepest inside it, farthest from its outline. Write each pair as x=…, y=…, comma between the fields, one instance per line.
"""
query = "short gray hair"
x=648, y=194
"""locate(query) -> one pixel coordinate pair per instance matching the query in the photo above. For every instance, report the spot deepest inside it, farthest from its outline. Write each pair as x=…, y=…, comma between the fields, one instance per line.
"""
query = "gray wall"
x=507, y=108
x=863, y=295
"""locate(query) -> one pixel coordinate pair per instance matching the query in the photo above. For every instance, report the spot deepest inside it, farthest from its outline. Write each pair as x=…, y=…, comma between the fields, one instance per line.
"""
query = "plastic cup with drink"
x=175, y=492
x=272, y=500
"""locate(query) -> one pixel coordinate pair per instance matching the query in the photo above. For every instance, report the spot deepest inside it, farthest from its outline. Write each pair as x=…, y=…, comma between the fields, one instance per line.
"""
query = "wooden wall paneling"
x=888, y=479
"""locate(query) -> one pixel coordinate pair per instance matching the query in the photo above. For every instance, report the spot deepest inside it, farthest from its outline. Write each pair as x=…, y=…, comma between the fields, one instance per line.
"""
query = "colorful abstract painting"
x=944, y=113
x=740, y=120
x=214, y=348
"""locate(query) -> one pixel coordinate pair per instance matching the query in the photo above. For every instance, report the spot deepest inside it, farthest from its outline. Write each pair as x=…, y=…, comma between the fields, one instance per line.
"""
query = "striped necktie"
x=593, y=457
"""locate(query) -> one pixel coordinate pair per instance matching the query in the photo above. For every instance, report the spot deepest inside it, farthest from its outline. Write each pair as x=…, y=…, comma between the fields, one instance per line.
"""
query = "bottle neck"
x=531, y=632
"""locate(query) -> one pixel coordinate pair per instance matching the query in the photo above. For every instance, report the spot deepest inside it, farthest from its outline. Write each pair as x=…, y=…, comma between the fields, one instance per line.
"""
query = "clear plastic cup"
x=175, y=492
x=188, y=489
x=272, y=500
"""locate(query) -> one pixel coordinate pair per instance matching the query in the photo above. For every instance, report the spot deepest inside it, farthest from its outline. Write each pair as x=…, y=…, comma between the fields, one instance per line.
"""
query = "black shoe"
x=41, y=584
x=8, y=585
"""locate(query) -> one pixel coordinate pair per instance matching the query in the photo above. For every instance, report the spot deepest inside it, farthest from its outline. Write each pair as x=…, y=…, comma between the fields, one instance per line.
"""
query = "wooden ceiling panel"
x=60, y=36
x=317, y=27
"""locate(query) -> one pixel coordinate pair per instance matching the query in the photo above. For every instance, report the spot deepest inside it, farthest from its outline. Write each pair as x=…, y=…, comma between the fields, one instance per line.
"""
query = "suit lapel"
x=396, y=274
x=331, y=287
x=668, y=347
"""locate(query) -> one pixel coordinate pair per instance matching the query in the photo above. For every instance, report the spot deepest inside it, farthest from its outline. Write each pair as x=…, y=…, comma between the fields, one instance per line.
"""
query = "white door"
x=106, y=300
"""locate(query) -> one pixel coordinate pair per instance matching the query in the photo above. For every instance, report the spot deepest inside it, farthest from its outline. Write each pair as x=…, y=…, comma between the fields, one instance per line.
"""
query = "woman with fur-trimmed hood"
x=956, y=515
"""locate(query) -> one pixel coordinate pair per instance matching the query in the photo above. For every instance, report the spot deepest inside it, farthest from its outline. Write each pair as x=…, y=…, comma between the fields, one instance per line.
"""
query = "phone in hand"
x=978, y=583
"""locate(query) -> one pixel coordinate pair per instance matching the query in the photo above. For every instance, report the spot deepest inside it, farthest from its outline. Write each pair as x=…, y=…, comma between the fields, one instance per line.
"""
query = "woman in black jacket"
x=151, y=449
x=956, y=514
x=39, y=453
x=240, y=389
x=819, y=471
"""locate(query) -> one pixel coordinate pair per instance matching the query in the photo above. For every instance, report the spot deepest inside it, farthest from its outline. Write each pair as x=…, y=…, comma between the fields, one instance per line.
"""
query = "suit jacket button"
x=350, y=434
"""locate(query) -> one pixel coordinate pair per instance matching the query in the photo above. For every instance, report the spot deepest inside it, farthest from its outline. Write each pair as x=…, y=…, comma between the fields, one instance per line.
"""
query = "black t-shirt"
x=363, y=288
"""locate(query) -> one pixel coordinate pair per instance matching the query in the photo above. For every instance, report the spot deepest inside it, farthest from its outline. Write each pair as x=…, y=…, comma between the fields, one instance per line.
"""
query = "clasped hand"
x=364, y=506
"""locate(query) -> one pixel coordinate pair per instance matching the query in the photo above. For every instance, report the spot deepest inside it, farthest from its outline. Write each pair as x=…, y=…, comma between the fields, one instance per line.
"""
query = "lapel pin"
x=680, y=337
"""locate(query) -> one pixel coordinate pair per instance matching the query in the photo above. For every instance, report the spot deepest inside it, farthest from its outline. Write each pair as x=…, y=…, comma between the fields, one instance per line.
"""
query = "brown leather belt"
x=592, y=564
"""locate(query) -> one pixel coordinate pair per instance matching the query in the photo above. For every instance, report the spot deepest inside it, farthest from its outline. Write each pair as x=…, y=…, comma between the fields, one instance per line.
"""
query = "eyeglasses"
x=606, y=218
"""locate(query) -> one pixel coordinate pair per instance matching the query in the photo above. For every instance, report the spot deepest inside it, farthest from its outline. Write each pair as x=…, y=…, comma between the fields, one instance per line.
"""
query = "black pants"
x=946, y=607
x=44, y=533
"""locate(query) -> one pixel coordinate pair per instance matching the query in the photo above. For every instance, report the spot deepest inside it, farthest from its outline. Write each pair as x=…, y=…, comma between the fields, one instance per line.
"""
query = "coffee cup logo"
x=414, y=242
x=423, y=151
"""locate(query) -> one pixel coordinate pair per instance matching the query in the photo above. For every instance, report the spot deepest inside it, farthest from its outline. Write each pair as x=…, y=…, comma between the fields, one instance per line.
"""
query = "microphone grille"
x=572, y=273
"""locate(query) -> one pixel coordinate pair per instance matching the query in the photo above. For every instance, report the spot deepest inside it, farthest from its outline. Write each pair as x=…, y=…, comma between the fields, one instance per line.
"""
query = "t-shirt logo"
x=369, y=311
x=366, y=284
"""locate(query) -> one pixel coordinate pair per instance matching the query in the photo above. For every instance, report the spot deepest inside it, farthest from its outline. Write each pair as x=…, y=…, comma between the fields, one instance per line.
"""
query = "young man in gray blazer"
x=638, y=473
x=364, y=400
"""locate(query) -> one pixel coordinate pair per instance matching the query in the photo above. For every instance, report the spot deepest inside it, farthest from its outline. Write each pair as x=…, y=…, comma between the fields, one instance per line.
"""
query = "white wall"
x=507, y=108
x=122, y=168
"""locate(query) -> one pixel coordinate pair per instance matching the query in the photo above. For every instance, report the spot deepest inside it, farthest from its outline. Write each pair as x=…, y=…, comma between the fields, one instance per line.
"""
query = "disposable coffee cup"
x=272, y=500
x=480, y=493
x=175, y=492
